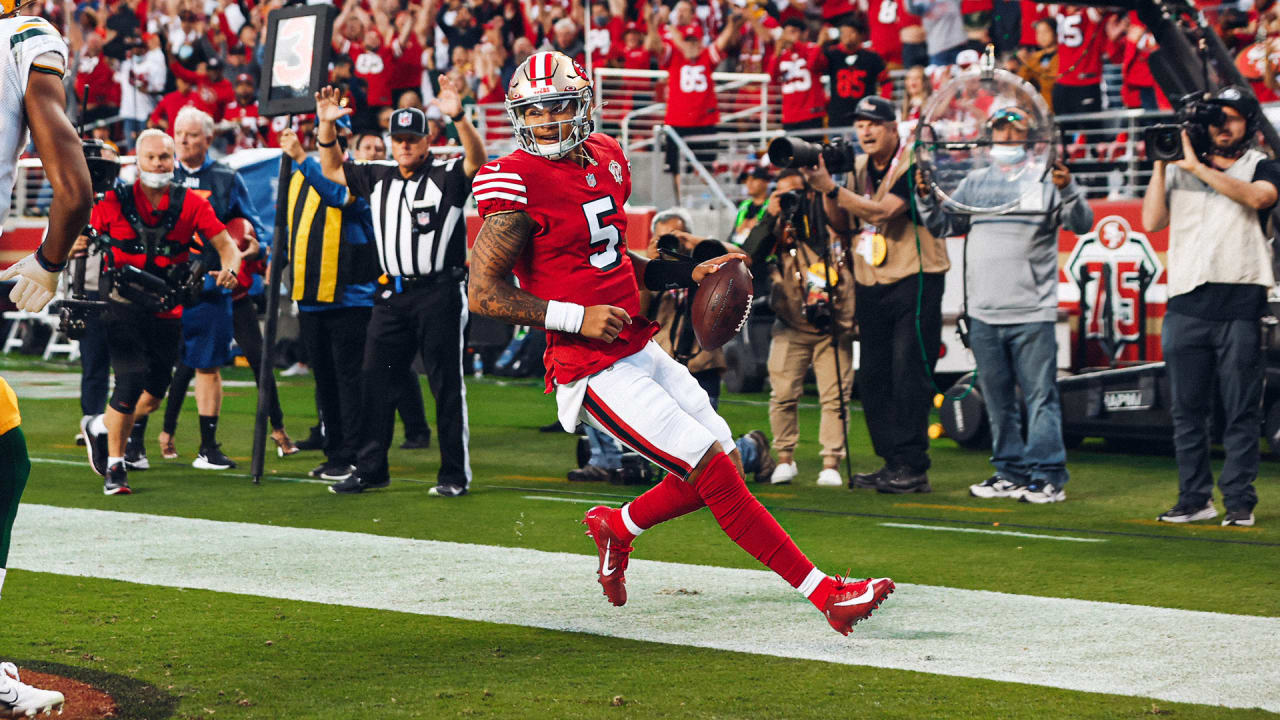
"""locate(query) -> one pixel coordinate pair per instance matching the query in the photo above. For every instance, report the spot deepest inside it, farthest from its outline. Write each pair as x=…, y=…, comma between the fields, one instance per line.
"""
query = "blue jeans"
x=1021, y=355
x=749, y=452
x=605, y=451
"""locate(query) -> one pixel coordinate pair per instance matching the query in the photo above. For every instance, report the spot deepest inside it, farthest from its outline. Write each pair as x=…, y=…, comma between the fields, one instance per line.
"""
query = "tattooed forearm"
x=501, y=240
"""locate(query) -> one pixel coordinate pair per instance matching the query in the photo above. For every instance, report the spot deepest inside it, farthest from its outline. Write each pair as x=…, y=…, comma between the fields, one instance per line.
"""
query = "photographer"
x=900, y=269
x=812, y=294
x=1215, y=200
x=151, y=226
x=1011, y=301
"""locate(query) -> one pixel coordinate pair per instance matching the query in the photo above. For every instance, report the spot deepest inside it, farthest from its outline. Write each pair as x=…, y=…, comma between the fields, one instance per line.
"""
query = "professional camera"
x=1164, y=142
x=787, y=152
x=820, y=315
x=789, y=202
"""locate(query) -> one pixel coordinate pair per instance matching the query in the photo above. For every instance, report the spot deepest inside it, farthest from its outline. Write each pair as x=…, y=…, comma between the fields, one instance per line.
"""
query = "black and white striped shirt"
x=418, y=223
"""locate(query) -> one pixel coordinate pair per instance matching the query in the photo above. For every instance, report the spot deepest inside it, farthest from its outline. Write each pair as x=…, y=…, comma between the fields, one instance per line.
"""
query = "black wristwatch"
x=459, y=117
x=833, y=193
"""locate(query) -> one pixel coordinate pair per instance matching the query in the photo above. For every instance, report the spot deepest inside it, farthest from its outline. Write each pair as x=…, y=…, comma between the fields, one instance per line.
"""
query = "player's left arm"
x=65, y=168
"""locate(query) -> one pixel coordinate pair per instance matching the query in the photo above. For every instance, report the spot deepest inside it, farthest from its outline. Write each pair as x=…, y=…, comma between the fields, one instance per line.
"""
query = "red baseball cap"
x=245, y=78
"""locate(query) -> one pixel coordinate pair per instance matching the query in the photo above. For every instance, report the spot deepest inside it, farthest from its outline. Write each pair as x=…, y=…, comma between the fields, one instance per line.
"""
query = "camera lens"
x=1168, y=143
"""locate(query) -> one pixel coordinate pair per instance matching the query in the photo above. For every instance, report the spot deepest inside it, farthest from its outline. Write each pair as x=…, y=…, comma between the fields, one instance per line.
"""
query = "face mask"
x=155, y=181
x=1008, y=154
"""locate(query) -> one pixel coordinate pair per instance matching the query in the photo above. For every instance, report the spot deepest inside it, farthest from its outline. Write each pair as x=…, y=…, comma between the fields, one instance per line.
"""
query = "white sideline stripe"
x=585, y=501
x=1013, y=533
x=1172, y=655
x=287, y=478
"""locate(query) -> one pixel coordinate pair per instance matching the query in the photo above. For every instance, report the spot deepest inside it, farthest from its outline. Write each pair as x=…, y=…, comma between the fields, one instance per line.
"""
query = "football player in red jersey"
x=553, y=215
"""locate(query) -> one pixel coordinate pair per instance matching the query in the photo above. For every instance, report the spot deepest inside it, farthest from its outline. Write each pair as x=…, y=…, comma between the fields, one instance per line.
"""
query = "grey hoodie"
x=1011, y=269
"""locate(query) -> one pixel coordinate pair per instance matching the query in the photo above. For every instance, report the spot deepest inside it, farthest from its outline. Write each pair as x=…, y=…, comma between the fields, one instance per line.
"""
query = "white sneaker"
x=18, y=698
x=997, y=486
x=1043, y=492
x=295, y=370
x=784, y=473
x=830, y=477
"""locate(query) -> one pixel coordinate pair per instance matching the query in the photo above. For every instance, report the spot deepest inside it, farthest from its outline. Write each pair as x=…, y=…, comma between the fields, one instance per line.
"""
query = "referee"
x=420, y=236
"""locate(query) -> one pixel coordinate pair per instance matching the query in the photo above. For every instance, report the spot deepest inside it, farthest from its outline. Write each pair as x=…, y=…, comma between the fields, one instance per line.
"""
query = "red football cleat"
x=613, y=553
x=852, y=602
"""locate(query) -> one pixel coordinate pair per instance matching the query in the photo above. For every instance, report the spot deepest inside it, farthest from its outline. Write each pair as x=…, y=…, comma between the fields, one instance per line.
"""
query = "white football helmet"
x=549, y=80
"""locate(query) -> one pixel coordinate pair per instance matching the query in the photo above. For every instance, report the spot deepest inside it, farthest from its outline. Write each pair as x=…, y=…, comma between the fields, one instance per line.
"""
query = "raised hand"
x=329, y=105
x=448, y=100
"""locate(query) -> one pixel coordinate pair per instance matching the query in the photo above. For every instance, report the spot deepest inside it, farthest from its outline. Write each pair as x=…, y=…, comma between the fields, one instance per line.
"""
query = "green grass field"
x=216, y=654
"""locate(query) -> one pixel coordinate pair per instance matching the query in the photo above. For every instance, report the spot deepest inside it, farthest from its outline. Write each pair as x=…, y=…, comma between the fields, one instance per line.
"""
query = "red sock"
x=748, y=524
x=667, y=500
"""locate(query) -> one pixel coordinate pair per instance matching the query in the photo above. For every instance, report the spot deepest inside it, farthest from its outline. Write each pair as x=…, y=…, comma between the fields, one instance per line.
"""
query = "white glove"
x=35, y=286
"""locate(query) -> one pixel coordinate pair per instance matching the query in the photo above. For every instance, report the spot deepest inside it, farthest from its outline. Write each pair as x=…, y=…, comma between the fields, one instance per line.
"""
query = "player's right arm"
x=501, y=239
x=64, y=164
x=36, y=276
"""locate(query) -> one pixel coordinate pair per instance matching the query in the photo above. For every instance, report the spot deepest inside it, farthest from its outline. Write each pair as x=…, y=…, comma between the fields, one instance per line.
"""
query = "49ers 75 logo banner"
x=1114, y=260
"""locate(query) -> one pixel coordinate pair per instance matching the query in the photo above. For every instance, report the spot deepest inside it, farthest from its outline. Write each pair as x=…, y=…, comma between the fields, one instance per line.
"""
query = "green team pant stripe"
x=14, y=470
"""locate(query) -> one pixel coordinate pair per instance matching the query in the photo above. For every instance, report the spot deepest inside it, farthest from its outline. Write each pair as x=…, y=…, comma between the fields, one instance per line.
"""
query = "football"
x=721, y=305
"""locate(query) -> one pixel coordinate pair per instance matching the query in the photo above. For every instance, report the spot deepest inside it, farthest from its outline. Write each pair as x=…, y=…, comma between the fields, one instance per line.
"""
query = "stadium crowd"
x=143, y=60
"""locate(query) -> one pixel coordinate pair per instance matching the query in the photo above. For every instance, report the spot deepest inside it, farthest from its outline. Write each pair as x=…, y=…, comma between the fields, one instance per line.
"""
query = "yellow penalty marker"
x=957, y=508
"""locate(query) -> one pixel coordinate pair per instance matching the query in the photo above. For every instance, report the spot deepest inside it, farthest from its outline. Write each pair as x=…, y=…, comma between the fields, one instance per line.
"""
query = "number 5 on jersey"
x=598, y=212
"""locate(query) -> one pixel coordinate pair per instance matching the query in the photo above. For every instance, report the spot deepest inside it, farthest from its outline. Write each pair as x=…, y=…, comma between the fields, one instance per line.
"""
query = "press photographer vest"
x=151, y=239
x=1212, y=238
x=901, y=259
x=789, y=279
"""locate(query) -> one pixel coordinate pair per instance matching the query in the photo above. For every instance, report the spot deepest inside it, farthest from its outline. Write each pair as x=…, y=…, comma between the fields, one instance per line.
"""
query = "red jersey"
x=168, y=107
x=691, y=95
x=578, y=251
x=373, y=66
x=1031, y=13
x=637, y=58
x=253, y=129
x=197, y=218
x=1081, y=44
x=405, y=71
x=799, y=69
x=886, y=19
x=95, y=73
x=212, y=96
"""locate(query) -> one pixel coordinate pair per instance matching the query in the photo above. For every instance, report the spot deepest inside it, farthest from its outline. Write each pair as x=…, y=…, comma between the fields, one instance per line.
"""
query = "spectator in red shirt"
x=212, y=89
x=241, y=116
x=798, y=68
x=186, y=94
x=691, y=93
x=94, y=72
x=604, y=36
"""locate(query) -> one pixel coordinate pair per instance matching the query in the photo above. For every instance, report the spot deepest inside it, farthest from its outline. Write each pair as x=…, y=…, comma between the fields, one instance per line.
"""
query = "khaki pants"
x=791, y=355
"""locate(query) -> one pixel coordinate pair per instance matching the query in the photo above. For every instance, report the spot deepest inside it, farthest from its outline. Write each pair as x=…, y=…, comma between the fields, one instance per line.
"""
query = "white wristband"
x=564, y=317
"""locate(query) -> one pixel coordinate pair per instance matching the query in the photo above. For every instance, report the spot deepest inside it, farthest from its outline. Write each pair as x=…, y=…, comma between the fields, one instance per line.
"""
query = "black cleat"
x=117, y=481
